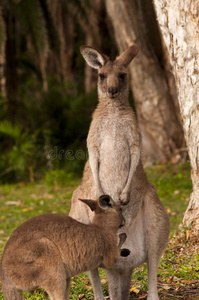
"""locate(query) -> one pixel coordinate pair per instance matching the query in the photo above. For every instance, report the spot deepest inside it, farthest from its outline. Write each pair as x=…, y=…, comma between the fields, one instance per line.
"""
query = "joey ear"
x=91, y=203
x=126, y=57
x=105, y=202
x=93, y=57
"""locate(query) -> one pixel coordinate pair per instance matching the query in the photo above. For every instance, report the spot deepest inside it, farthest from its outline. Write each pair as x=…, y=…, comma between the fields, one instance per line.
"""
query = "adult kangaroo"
x=115, y=168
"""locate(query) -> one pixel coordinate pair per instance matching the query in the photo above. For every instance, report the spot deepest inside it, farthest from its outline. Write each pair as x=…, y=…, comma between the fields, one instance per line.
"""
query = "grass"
x=22, y=201
x=173, y=184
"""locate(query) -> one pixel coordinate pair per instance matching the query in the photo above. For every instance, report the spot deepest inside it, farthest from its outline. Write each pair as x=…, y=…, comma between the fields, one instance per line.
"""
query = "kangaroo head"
x=112, y=75
x=107, y=212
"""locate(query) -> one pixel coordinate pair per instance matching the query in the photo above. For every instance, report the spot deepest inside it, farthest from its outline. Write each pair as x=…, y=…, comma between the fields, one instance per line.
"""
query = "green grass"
x=22, y=201
x=173, y=184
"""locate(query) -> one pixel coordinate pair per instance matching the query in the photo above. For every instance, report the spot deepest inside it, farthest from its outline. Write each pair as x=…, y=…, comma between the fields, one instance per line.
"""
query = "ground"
x=178, y=274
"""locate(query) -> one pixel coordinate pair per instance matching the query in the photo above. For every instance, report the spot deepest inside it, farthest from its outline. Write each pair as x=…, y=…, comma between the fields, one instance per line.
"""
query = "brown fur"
x=115, y=168
x=46, y=251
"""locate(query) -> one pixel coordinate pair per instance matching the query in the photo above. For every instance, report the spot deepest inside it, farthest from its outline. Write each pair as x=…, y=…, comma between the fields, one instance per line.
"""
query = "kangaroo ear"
x=105, y=202
x=94, y=58
x=91, y=203
x=126, y=57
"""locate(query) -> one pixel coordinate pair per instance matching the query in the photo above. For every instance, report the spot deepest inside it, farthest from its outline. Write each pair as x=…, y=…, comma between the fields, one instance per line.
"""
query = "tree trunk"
x=66, y=33
x=179, y=22
x=93, y=39
x=161, y=129
x=2, y=55
x=10, y=67
x=61, y=28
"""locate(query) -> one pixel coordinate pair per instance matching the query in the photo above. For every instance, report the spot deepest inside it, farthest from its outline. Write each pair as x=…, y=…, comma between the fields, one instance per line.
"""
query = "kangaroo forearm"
x=135, y=157
x=94, y=164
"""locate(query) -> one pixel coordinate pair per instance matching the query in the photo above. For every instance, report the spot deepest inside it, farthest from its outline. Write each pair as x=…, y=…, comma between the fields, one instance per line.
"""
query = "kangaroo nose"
x=112, y=91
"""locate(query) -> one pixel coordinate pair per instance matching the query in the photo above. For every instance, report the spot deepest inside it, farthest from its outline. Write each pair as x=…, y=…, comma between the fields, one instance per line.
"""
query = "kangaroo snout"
x=113, y=92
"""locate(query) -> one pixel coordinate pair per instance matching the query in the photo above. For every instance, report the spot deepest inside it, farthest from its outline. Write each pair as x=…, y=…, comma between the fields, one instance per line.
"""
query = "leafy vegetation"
x=178, y=274
x=173, y=184
x=42, y=86
x=49, y=136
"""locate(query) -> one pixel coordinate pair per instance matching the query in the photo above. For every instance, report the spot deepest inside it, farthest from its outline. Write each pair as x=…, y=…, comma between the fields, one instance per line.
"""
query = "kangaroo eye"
x=122, y=76
x=101, y=76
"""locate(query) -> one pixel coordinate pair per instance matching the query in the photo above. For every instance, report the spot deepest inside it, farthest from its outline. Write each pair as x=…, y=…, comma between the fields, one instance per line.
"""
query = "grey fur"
x=115, y=168
x=46, y=251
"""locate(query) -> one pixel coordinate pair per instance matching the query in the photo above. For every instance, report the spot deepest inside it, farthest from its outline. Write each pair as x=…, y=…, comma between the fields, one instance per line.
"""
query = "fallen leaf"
x=136, y=291
x=25, y=209
x=133, y=289
x=103, y=280
x=143, y=296
x=187, y=281
x=85, y=280
x=176, y=192
x=187, y=235
x=87, y=287
x=57, y=188
x=12, y=203
x=169, y=280
x=175, y=279
x=174, y=213
x=165, y=286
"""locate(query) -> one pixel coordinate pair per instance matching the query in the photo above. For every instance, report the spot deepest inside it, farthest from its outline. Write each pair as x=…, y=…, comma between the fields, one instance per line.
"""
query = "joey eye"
x=102, y=76
x=122, y=76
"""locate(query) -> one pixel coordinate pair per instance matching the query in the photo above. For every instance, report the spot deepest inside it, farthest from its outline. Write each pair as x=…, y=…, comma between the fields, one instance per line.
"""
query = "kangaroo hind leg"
x=119, y=283
x=96, y=284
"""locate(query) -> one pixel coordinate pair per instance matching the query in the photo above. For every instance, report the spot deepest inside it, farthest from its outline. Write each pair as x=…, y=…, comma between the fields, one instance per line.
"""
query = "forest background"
x=48, y=94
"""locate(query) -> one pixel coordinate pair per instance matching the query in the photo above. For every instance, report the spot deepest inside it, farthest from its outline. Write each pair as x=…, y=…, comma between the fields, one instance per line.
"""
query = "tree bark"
x=161, y=129
x=62, y=29
x=66, y=33
x=10, y=66
x=93, y=39
x=2, y=55
x=179, y=22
